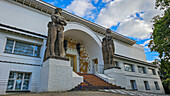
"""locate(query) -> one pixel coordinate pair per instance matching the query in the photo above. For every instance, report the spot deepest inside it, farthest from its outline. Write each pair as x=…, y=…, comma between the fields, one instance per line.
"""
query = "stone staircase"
x=93, y=82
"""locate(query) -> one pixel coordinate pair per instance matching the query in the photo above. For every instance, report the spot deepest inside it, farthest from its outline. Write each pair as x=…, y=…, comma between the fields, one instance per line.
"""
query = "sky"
x=131, y=18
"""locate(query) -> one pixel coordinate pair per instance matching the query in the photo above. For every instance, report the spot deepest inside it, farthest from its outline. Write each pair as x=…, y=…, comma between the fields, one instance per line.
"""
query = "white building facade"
x=23, y=35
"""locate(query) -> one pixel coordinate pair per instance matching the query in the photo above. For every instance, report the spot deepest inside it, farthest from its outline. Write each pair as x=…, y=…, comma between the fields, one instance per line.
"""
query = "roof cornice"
x=49, y=9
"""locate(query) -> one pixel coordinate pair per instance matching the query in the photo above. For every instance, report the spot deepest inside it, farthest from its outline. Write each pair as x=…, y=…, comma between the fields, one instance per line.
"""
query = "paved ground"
x=100, y=92
x=130, y=93
x=70, y=93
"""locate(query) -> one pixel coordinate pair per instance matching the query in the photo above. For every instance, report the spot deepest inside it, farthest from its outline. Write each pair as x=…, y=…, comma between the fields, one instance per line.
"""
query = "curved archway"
x=78, y=26
x=89, y=39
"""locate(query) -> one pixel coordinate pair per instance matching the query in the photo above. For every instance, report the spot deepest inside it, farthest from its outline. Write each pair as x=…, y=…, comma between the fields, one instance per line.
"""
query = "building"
x=23, y=35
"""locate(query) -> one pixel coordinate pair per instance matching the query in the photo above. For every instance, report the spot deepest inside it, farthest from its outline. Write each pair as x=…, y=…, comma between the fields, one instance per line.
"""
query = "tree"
x=160, y=40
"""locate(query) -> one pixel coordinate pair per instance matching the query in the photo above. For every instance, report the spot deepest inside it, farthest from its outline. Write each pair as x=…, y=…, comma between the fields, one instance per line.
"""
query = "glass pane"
x=150, y=71
x=140, y=69
x=19, y=76
x=23, y=48
x=18, y=85
x=128, y=68
x=9, y=46
x=72, y=61
x=10, y=84
x=27, y=76
x=116, y=64
x=157, y=86
x=37, y=51
x=146, y=85
x=153, y=71
x=12, y=75
x=26, y=84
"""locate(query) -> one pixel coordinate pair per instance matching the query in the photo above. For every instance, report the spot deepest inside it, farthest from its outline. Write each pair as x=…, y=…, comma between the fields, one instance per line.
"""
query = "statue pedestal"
x=119, y=76
x=57, y=75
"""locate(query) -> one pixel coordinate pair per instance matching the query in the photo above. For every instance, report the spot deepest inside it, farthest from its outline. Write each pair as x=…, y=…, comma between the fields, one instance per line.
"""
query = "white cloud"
x=95, y=1
x=54, y=2
x=106, y=1
x=150, y=61
x=145, y=43
x=81, y=7
x=124, y=12
x=135, y=28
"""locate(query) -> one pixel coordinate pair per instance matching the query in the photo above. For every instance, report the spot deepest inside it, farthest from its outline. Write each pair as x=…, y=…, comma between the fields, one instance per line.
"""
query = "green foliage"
x=164, y=69
x=160, y=38
x=161, y=35
x=166, y=84
x=162, y=4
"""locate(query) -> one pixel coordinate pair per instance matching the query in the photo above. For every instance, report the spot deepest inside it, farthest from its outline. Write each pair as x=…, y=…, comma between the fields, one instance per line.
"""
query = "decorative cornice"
x=49, y=9
x=21, y=30
x=134, y=60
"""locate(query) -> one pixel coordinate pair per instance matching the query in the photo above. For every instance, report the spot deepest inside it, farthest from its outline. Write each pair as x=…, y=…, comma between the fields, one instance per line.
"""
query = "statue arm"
x=63, y=21
x=55, y=19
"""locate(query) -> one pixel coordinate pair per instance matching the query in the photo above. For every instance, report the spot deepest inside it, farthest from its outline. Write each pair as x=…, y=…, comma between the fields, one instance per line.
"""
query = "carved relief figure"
x=55, y=40
x=108, y=50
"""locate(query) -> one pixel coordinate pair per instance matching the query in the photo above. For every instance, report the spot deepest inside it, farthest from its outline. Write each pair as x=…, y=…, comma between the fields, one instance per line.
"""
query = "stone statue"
x=55, y=40
x=108, y=50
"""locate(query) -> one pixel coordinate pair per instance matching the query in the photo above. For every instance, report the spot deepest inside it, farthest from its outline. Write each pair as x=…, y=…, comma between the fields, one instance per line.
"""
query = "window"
x=152, y=72
x=141, y=69
x=133, y=84
x=18, y=81
x=157, y=85
x=129, y=67
x=116, y=64
x=146, y=85
x=22, y=48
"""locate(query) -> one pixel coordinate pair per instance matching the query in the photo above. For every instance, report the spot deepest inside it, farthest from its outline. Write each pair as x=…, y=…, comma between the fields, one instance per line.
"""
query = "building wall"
x=5, y=69
x=140, y=77
x=18, y=58
x=23, y=17
x=127, y=50
x=36, y=21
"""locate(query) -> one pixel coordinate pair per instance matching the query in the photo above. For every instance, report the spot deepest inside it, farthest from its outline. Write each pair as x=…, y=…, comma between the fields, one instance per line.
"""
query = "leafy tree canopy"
x=160, y=39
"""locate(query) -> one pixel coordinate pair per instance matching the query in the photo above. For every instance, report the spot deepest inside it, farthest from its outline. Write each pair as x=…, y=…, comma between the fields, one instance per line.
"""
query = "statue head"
x=108, y=31
x=58, y=11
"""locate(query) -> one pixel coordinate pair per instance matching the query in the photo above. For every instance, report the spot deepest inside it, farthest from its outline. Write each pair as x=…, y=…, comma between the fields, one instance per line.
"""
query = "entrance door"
x=72, y=59
x=95, y=65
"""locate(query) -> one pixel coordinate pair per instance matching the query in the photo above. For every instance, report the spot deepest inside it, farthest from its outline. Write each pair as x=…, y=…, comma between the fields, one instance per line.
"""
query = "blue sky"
x=131, y=18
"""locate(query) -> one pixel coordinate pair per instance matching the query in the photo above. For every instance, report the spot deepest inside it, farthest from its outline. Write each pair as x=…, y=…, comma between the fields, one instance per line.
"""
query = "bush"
x=166, y=85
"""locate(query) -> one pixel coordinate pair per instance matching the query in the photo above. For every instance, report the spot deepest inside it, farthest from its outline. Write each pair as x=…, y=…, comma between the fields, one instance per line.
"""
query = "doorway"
x=95, y=65
x=72, y=59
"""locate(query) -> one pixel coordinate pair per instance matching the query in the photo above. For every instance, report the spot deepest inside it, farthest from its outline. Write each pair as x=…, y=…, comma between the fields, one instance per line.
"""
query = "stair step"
x=93, y=82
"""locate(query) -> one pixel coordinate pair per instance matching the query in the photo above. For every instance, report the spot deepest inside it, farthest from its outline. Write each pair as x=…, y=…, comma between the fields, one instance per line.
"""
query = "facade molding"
x=143, y=76
x=18, y=63
x=134, y=60
x=15, y=29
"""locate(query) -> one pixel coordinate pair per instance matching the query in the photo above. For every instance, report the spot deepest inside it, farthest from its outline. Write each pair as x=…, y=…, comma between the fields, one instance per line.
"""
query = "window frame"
x=132, y=67
x=146, y=84
x=143, y=69
x=22, y=81
x=156, y=85
x=116, y=63
x=30, y=43
x=133, y=85
x=153, y=71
